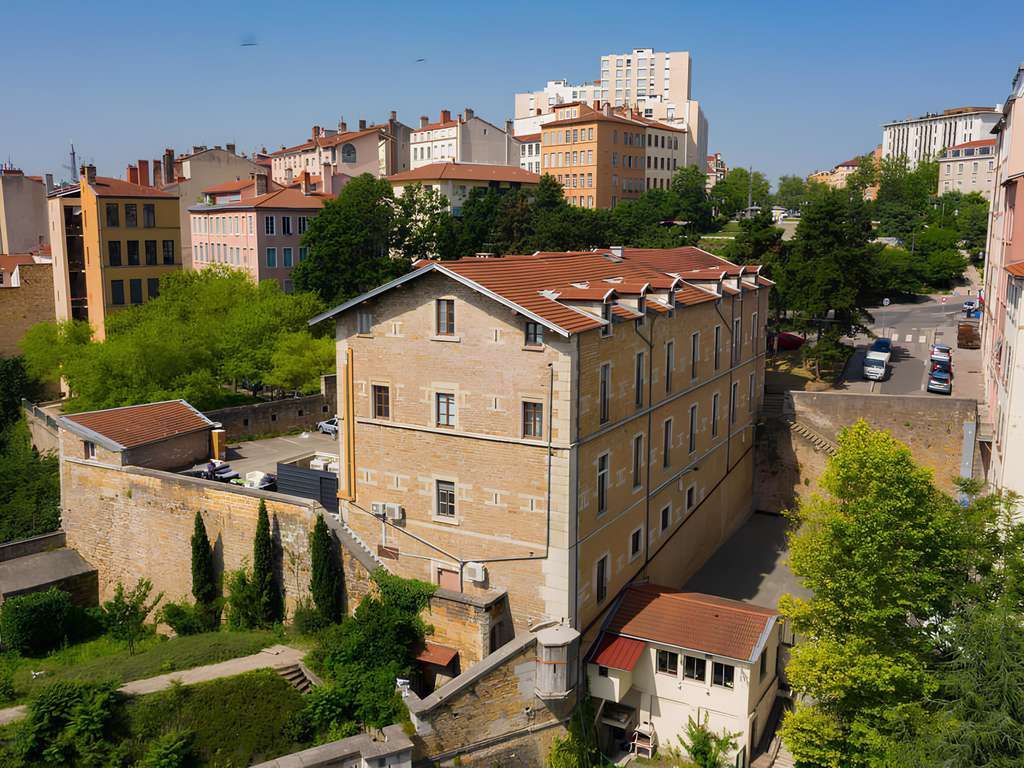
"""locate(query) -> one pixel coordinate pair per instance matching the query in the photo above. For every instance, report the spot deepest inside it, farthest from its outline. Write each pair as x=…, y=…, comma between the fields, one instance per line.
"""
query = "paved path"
x=274, y=657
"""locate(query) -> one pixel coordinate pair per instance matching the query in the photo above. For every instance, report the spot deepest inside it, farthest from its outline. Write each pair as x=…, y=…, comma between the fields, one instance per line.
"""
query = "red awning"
x=440, y=655
x=617, y=652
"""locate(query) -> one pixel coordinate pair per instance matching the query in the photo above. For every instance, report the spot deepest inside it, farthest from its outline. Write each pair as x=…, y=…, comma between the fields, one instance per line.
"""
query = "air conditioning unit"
x=393, y=511
x=475, y=572
x=319, y=463
x=377, y=508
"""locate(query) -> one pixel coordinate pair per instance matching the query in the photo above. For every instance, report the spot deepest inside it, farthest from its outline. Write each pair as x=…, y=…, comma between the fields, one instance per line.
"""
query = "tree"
x=29, y=486
x=884, y=555
x=325, y=584
x=758, y=241
x=938, y=256
x=299, y=360
x=204, y=583
x=47, y=346
x=791, y=192
x=730, y=194
x=349, y=243
x=125, y=615
x=15, y=384
x=904, y=196
x=263, y=567
x=865, y=176
x=422, y=223
x=689, y=187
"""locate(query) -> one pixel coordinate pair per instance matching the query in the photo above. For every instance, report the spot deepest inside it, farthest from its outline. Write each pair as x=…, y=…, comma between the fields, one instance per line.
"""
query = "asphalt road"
x=913, y=328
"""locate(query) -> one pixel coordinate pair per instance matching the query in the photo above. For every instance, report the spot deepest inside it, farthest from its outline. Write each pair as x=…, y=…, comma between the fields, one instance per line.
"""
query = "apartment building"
x=131, y=238
x=969, y=167
x=380, y=150
x=717, y=170
x=466, y=138
x=1001, y=431
x=233, y=191
x=925, y=137
x=188, y=174
x=598, y=157
x=260, y=235
x=555, y=425
x=657, y=84
x=529, y=152
x=456, y=181
x=666, y=150
x=23, y=226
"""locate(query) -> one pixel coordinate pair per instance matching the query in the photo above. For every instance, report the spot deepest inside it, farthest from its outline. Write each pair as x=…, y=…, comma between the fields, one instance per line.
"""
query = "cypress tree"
x=204, y=585
x=325, y=583
x=263, y=567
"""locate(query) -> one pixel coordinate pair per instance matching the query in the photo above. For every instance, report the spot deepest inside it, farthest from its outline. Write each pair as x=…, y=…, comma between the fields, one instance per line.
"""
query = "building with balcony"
x=926, y=137
x=666, y=656
x=67, y=247
x=554, y=426
x=457, y=180
x=260, y=235
x=466, y=138
x=1001, y=431
x=131, y=238
x=969, y=167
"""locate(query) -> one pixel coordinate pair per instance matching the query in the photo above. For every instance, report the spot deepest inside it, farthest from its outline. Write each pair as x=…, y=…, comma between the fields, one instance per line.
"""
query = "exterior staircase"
x=820, y=443
x=778, y=406
x=299, y=677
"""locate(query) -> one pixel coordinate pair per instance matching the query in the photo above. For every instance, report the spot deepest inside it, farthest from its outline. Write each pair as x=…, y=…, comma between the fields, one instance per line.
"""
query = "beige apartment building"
x=969, y=167
x=22, y=212
x=554, y=426
x=465, y=138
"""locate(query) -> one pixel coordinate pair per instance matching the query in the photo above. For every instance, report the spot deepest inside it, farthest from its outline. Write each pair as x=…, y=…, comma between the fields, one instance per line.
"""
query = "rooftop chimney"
x=260, y=181
x=89, y=173
x=446, y=116
x=424, y=120
x=342, y=126
x=304, y=182
x=158, y=173
x=132, y=174
x=230, y=148
x=327, y=179
x=144, y=173
x=468, y=113
x=362, y=125
x=509, y=128
x=316, y=131
x=168, y=166
x=49, y=182
x=394, y=115
x=607, y=109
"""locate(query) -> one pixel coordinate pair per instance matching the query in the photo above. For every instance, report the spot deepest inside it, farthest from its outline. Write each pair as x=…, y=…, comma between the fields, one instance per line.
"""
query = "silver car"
x=940, y=382
x=329, y=427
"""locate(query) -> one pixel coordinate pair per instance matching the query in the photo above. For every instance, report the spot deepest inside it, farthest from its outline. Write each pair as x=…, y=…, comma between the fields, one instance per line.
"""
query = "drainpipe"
x=732, y=363
x=649, y=441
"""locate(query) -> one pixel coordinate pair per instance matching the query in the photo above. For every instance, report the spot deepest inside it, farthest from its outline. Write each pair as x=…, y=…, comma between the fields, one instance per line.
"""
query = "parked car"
x=875, y=366
x=788, y=341
x=942, y=365
x=940, y=382
x=941, y=352
x=970, y=305
x=328, y=427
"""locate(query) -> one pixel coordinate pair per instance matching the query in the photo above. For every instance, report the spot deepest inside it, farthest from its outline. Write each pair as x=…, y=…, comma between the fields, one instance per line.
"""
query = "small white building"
x=665, y=656
x=923, y=138
x=457, y=180
x=969, y=167
x=465, y=138
x=529, y=152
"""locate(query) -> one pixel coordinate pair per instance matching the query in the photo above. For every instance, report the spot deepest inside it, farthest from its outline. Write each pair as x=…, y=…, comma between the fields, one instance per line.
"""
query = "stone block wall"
x=24, y=306
x=31, y=546
x=178, y=452
x=489, y=715
x=279, y=416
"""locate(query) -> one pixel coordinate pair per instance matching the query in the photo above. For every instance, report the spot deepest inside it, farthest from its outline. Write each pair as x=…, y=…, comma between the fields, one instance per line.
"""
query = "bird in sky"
x=419, y=60
x=248, y=41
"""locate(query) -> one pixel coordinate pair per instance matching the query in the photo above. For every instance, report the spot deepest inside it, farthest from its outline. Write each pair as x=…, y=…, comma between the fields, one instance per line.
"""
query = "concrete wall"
x=31, y=546
x=488, y=715
x=43, y=429
x=279, y=416
x=22, y=213
x=176, y=453
x=387, y=748
x=22, y=307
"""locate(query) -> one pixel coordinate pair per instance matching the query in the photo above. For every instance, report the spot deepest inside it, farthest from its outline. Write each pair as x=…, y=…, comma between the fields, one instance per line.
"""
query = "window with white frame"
x=666, y=445
x=89, y=448
x=722, y=674
x=603, y=473
x=534, y=334
x=445, y=409
x=268, y=225
x=636, y=539
x=364, y=321
x=695, y=668
x=638, y=460
x=668, y=662
x=693, y=429
x=445, y=499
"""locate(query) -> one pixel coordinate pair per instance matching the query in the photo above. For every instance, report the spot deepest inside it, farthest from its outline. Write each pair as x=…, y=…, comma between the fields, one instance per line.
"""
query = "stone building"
x=26, y=298
x=556, y=425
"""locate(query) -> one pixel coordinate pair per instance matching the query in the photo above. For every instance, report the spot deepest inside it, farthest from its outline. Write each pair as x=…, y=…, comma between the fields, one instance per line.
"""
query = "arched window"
x=348, y=153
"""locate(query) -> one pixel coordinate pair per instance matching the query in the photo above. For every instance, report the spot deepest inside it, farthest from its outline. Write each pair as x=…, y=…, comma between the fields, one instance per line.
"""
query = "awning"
x=617, y=652
x=441, y=655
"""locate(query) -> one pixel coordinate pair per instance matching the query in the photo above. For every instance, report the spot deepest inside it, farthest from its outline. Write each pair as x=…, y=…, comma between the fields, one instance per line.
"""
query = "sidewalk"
x=274, y=657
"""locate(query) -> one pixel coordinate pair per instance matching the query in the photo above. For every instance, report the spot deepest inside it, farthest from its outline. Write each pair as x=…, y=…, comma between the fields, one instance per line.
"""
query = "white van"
x=874, y=365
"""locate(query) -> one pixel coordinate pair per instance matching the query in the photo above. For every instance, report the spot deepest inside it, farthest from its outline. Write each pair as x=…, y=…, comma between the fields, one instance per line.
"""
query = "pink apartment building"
x=260, y=235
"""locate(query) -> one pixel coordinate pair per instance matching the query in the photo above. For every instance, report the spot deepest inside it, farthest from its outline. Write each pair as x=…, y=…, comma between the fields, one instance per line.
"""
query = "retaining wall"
x=277, y=417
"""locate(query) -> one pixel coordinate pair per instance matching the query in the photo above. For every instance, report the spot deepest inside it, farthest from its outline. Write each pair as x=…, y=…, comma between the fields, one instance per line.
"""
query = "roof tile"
x=136, y=425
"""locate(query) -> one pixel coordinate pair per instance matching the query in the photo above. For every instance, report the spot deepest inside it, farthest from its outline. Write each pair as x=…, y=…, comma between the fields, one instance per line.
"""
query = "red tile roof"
x=290, y=150
x=341, y=138
x=107, y=187
x=235, y=186
x=8, y=262
x=534, y=284
x=978, y=143
x=528, y=138
x=693, y=621
x=854, y=163
x=1016, y=269
x=436, y=126
x=286, y=197
x=466, y=172
x=591, y=116
x=617, y=652
x=136, y=425
x=441, y=655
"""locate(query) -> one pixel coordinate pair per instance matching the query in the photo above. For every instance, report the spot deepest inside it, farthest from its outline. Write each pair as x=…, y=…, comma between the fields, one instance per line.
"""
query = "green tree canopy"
x=759, y=241
x=730, y=194
x=791, y=192
x=904, y=196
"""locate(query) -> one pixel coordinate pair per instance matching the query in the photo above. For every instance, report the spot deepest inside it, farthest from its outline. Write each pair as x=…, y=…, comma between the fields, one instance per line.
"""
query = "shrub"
x=187, y=619
x=69, y=723
x=245, y=601
x=35, y=623
x=325, y=584
x=8, y=662
x=307, y=619
x=172, y=750
x=204, y=583
x=125, y=615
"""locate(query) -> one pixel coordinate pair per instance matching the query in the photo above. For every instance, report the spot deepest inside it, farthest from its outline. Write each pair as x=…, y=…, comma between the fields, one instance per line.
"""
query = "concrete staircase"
x=820, y=443
x=778, y=406
x=300, y=678
x=773, y=405
x=356, y=546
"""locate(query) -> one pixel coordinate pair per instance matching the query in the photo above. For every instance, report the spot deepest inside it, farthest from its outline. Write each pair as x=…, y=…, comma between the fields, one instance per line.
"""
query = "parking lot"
x=263, y=455
x=913, y=328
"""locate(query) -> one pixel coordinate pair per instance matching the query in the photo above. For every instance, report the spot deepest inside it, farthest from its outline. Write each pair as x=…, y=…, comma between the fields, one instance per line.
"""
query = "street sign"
x=885, y=302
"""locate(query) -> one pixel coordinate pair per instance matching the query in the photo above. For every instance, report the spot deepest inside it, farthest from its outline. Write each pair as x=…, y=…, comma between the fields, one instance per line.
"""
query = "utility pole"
x=750, y=189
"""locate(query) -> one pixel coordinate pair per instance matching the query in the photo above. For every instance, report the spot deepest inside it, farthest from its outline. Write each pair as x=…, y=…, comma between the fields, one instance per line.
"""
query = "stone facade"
x=279, y=416
x=488, y=715
x=23, y=306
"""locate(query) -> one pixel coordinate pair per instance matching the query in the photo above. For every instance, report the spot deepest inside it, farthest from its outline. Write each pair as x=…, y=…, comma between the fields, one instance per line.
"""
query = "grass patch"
x=716, y=246
x=108, y=659
x=234, y=721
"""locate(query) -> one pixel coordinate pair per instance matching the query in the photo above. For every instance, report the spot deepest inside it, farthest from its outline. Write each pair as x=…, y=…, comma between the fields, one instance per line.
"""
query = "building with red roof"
x=551, y=426
x=465, y=138
x=457, y=180
x=969, y=167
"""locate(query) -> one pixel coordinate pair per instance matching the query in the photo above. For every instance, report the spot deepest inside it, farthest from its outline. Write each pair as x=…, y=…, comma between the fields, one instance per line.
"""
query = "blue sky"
x=788, y=87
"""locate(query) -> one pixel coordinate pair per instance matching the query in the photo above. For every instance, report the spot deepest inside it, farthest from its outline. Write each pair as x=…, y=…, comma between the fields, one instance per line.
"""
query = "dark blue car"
x=882, y=345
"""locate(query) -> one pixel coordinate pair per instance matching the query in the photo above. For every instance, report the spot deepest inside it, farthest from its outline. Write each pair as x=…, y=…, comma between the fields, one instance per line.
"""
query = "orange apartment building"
x=598, y=157
x=553, y=426
x=131, y=237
